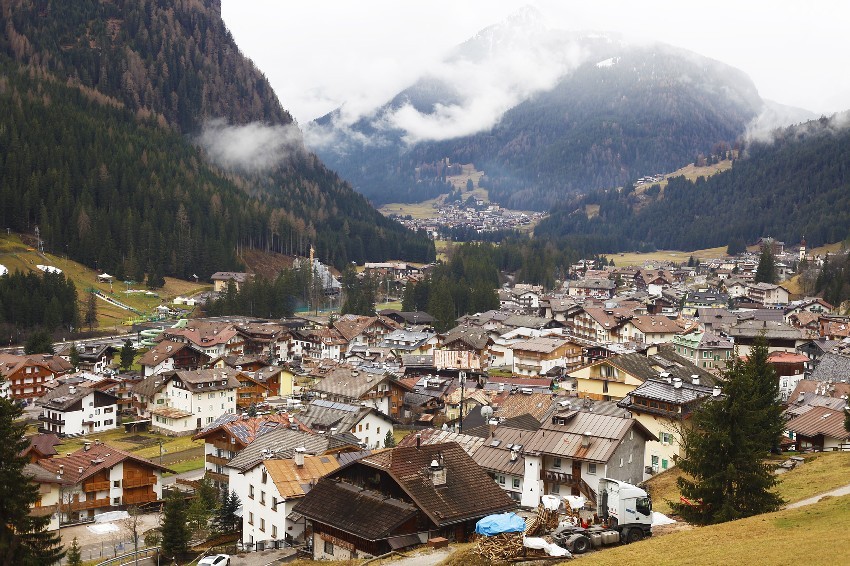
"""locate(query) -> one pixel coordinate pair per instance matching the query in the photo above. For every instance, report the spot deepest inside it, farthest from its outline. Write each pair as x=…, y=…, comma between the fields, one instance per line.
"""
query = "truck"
x=625, y=511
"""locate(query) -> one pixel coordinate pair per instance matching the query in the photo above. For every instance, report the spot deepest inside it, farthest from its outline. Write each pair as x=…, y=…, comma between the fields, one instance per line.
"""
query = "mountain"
x=794, y=184
x=545, y=114
x=138, y=139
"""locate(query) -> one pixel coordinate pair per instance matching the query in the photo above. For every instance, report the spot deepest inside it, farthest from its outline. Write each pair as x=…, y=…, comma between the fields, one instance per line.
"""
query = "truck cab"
x=625, y=508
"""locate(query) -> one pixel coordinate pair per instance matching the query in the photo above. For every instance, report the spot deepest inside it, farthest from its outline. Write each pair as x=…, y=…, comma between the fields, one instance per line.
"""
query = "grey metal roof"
x=832, y=366
x=565, y=440
x=351, y=382
x=282, y=443
x=660, y=390
x=494, y=454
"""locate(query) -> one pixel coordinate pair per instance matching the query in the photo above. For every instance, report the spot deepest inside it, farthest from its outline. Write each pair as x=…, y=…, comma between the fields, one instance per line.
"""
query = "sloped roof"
x=203, y=334
x=364, y=513
x=468, y=492
x=295, y=481
x=98, y=457
x=324, y=415
x=162, y=351
x=43, y=443
x=435, y=436
x=817, y=421
x=649, y=324
x=351, y=325
x=536, y=405
x=666, y=360
x=64, y=396
x=494, y=455
x=350, y=382
x=771, y=330
x=474, y=338
x=525, y=321
x=541, y=344
x=283, y=443
x=832, y=366
x=245, y=429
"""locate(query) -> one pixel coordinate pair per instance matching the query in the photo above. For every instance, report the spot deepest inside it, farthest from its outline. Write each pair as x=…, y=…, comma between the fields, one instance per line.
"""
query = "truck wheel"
x=633, y=535
x=581, y=545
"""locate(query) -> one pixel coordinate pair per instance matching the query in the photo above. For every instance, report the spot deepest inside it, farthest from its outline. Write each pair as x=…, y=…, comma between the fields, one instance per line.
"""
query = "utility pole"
x=462, y=377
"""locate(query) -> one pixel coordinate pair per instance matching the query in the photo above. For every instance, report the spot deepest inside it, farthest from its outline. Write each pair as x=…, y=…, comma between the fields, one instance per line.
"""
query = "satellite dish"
x=487, y=411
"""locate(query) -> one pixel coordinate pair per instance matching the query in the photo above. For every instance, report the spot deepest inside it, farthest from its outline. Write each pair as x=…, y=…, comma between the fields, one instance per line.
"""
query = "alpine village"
x=612, y=325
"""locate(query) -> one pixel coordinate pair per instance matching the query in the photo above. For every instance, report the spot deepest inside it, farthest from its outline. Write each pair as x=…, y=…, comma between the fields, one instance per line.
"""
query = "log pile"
x=501, y=547
x=545, y=521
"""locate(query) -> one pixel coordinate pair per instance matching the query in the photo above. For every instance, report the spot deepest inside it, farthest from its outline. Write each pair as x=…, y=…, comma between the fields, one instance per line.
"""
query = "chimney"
x=695, y=379
x=418, y=440
x=299, y=457
x=437, y=471
x=72, y=390
x=514, y=454
x=677, y=382
x=87, y=446
x=715, y=392
x=585, y=439
x=80, y=470
x=61, y=469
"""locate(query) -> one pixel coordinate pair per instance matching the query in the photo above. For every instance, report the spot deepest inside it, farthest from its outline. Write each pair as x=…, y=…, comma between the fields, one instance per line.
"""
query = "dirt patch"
x=136, y=438
x=266, y=264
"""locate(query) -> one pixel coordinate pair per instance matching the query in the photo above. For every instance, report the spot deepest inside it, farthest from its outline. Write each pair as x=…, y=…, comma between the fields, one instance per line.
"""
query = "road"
x=812, y=500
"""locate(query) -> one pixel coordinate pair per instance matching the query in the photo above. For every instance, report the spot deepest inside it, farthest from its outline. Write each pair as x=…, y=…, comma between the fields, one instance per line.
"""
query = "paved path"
x=812, y=500
x=107, y=545
x=190, y=475
x=422, y=558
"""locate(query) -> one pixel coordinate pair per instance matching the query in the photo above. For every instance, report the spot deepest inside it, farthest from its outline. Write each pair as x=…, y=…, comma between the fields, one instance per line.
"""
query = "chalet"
x=321, y=343
x=73, y=410
x=229, y=434
x=182, y=402
x=93, y=357
x=368, y=425
x=571, y=451
x=819, y=428
x=399, y=498
x=649, y=329
x=768, y=294
x=603, y=324
x=814, y=305
x=363, y=330
x=215, y=339
x=41, y=446
x=269, y=491
x=221, y=280
x=780, y=336
x=369, y=386
x=500, y=455
x=664, y=407
x=834, y=327
x=412, y=318
x=613, y=378
x=26, y=376
x=538, y=356
x=815, y=349
x=596, y=288
x=704, y=349
x=100, y=478
x=169, y=355
x=267, y=340
x=408, y=342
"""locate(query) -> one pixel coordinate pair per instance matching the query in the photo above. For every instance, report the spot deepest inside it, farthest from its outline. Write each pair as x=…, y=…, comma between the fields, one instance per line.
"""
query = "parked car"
x=215, y=560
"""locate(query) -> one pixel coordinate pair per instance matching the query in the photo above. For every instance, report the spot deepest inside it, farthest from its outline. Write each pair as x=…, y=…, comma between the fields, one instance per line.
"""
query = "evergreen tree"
x=389, y=440
x=74, y=356
x=175, y=528
x=766, y=270
x=24, y=539
x=90, y=318
x=226, y=520
x=442, y=308
x=74, y=557
x=128, y=354
x=39, y=342
x=727, y=444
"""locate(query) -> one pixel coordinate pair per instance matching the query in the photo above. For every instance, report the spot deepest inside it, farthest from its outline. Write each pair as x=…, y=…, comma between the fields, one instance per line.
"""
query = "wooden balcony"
x=139, y=482
x=134, y=498
x=218, y=460
x=96, y=486
x=88, y=504
x=51, y=420
x=215, y=476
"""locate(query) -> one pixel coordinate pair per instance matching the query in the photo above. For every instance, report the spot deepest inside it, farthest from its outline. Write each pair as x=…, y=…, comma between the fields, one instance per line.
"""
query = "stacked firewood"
x=544, y=521
x=501, y=547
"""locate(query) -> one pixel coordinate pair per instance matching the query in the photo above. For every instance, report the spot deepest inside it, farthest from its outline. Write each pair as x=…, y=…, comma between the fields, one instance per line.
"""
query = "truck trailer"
x=625, y=512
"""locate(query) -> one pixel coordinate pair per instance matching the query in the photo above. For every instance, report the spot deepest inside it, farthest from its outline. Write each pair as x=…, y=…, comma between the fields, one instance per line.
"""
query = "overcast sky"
x=321, y=54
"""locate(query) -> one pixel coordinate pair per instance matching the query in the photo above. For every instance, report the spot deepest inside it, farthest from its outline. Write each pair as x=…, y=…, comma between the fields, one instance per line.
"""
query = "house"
x=168, y=355
x=399, y=498
x=256, y=387
x=363, y=330
x=665, y=407
x=50, y=492
x=267, y=340
x=571, y=451
x=501, y=456
x=735, y=288
x=26, y=376
x=221, y=280
x=436, y=436
x=538, y=356
x=597, y=288
x=768, y=294
x=467, y=339
x=269, y=491
x=833, y=365
x=320, y=343
x=93, y=357
x=229, y=434
x=96, y=479
x=602, y=324
x=813, y=305
x=405, y=318
x=367, y=424
x=73, y=410
x=409, y=343
x=182, y=402
x=649, y=329
x=790, y=369
x=611, y=379
x=779, y=336
x=704, y=349
x=819, y=428
x=215, y=339
x=815, y=349
x=41, y=446
x=375, y=387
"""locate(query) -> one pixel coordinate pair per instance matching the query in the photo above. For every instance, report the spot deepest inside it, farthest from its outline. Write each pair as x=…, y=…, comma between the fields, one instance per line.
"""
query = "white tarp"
x=661, y=519
x=103, y=528
x=3, y=270
x=111, y=516
x=575, y=501
x=551, y=549
x=551, y=502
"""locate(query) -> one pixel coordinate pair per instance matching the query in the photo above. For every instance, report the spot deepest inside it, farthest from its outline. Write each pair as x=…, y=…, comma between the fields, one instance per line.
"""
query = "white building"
x=75, y=409
x=182, y=402
x=270, y=489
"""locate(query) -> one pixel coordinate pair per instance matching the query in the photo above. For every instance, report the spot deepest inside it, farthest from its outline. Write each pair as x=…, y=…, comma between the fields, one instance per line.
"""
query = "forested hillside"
x=626, y=112
x=794, y=186
x=100, y=105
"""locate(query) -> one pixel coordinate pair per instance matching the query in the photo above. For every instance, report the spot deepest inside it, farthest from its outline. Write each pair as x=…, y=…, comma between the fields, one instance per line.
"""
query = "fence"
x=130, y=557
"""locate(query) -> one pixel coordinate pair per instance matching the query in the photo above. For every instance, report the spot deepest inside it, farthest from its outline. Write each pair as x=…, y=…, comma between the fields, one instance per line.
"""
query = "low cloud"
x=255, y=146
x=774, y=120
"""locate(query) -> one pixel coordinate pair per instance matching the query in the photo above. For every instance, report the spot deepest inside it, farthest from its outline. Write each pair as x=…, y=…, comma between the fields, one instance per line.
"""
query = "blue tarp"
x=496, y=524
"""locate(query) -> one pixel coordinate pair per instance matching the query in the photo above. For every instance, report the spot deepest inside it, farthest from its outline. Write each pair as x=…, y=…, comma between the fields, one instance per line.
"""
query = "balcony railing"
x=133, y=498
x=96, y=486
x=218, y=460
x=52, y=420
x=215, y=476
x=88, y=504
x=562, y=478
x=139, y=482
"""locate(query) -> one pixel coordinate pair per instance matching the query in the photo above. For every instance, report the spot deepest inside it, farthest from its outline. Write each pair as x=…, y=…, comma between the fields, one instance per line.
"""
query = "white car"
x=215, y=560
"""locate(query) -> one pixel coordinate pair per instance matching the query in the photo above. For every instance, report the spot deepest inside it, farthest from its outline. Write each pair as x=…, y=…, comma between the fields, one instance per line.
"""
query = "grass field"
x=147, y=445
x=637, y=258
x=187, y=465
x=821, y=472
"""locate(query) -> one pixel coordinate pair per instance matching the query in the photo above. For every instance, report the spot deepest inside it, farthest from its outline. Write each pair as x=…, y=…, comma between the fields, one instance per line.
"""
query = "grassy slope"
x=17, y=256
x=634, y=258
x=822, y=472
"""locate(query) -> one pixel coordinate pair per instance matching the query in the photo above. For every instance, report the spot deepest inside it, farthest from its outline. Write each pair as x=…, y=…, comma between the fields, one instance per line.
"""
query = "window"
x=654, y=461
x=116, y=483
x=250, y=518
x=97, y=411
x=367, y=426
x=107, y=422
x=108, y=410
x=211, y=395
x=265, y=476
x=378, y=430
x=274, y=503
x=329, y=548
x=591, y=469
x=360, y=428
x=556, y=463
x=500, y=479
x=263, y=525
x=666, y=438
x=630, y=458
x=116, y=501
x=251, y=491
x=621, y=461
x=555, y=488
x=274, y=531
x=263, y=498
x=516, y=483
